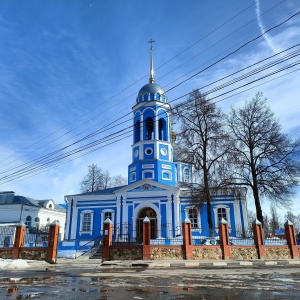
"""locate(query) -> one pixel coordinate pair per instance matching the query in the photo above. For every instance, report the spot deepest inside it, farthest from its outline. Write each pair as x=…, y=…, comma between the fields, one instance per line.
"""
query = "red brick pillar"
x=291, y=239
x=258, y=238
x=52, y=242
x=187, y=239
x=224, y=238
x=107, y=239
x=19, y=240
x=146, y=239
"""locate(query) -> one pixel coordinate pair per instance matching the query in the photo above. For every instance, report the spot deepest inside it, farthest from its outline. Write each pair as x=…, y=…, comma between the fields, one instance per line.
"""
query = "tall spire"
x=151, y=79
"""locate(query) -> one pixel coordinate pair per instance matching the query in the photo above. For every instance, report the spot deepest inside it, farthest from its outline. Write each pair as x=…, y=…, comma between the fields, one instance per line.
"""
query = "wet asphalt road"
x=66, y=281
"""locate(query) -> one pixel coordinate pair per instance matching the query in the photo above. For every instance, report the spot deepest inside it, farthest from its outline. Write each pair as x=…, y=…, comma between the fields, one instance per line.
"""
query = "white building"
x=33, y=213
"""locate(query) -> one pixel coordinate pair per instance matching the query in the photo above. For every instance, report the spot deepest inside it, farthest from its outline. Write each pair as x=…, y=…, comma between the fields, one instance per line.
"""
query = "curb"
x=199, y=264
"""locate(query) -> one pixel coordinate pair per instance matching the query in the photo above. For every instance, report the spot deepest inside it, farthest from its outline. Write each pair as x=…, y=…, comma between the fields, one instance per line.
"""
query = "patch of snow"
x=13, y=264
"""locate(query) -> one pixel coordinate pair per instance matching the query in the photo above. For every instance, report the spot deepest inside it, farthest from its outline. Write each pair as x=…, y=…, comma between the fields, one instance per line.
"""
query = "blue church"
x=156, y=185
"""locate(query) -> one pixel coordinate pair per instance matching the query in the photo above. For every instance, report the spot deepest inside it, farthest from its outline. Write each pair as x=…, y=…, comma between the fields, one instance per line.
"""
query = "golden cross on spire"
x=151, y=79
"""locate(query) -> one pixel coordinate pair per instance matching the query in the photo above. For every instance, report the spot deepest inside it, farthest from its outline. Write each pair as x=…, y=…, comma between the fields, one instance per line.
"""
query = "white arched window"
x=132, y=176
x=86, y=222
x=107, y=213
x=28, y=221
x=37, y=222
x=167, y=175
x=222, y=211
x=148, y=174
x=186, y=175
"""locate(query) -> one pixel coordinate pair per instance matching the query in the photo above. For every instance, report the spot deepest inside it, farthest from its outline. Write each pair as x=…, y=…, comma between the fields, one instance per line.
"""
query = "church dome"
x=151, y=92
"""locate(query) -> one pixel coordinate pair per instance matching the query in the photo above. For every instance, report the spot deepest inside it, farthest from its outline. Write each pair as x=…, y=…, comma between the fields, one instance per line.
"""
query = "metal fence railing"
x=36, y=236
x=127, y=235
x=275, y=241
x=7, y=236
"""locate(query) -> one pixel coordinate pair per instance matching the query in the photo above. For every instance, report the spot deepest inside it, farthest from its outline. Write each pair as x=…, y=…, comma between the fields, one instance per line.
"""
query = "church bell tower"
x=152, y=151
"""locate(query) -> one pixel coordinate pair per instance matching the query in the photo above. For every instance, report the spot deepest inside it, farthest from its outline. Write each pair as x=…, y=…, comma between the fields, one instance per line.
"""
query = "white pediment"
x=146, y=185
x=147, y=188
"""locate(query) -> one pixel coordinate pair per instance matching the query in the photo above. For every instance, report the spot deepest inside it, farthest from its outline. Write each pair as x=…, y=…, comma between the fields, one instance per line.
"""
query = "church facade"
x=155, y=187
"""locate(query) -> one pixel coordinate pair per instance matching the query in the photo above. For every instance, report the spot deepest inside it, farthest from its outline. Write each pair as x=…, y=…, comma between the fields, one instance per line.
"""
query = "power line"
x=134, y=84
x=39, y=159
x=251, y=73
x=123, y=132
x=101, y=130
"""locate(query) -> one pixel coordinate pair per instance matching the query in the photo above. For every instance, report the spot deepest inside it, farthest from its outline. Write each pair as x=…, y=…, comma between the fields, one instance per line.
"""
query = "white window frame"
x=81, y=231
x=227, y=208
x=148, y=171
x=102, y=218
x=133, y=174
x=187, y=216
x=166, y=172
x=184, y=174
x=26, y=222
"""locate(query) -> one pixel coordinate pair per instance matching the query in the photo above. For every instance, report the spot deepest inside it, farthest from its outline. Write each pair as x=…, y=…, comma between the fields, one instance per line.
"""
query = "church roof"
x=11, y=198
x=104, y=191
x=151, y=91
x=151, y=88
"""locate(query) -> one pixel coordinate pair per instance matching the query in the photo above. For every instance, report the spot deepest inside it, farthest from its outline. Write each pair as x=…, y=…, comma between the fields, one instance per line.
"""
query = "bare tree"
x=274, y=220
x=294, y=219
x=118, y=180
x=96, y=179
x=204, y=145
x=93, y=180
x=263, y=158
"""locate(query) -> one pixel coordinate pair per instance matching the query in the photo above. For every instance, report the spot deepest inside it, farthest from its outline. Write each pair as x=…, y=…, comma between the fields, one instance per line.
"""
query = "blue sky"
x=71, y=67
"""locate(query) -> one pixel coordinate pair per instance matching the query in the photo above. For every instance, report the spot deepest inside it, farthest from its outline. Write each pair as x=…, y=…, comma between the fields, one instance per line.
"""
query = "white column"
x=169, y=217
x=74, y=219
x=155, y=126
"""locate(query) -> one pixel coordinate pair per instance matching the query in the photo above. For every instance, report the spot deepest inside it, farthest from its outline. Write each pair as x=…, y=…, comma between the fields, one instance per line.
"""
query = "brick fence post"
x=224, y=238
x=258, y=238
x=291, y=239
x=146, y=239
x=52, y=242
x=107, y=239
x=187, y=239
x=19, y=240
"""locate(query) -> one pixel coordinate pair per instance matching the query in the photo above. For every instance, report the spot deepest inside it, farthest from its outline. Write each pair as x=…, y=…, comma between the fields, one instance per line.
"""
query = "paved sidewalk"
x=85, y=263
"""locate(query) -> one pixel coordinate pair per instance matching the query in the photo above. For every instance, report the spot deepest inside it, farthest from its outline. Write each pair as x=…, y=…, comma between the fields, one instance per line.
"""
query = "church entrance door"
x=151, y=214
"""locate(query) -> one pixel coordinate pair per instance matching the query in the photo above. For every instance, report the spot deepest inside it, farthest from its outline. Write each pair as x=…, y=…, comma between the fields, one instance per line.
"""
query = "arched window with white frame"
x=107, y=213
x=222, y=211
x=186, y=175
x=28, y=221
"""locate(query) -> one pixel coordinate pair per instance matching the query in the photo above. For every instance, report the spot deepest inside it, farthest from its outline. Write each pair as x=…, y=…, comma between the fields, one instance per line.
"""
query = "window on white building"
x=37, y=222
x=28, y=221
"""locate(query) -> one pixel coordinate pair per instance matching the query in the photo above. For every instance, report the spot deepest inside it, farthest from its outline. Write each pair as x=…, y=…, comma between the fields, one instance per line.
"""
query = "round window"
x=163, y=151
x=136, y=153
x=148, y=151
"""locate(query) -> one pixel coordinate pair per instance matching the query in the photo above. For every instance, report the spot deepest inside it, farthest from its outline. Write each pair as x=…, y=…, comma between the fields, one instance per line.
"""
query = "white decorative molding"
x=147, y=166
x=166, y=167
